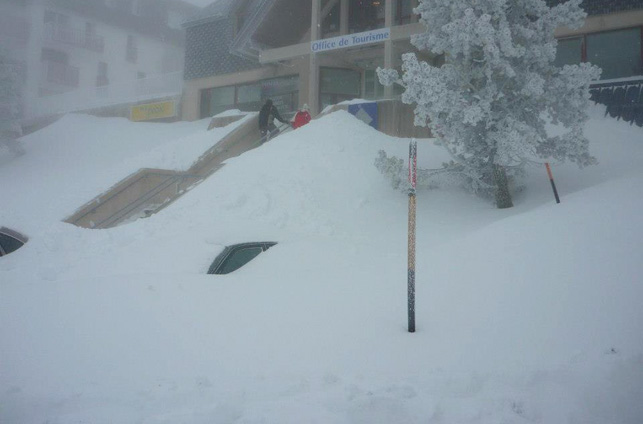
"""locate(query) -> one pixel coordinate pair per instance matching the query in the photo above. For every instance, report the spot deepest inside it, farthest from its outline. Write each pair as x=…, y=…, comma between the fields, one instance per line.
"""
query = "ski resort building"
x=321, y=52
x=76, y=55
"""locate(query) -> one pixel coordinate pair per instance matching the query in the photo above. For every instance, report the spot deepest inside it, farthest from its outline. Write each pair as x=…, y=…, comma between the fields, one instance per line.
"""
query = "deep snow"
x=531, y=314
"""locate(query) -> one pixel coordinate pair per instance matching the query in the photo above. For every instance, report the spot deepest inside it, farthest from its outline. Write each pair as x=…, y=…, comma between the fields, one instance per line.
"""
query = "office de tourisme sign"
x=351, y=40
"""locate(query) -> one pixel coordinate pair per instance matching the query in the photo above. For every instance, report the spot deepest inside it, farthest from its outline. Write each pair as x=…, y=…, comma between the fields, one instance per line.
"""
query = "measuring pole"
x=551, y=180
x=411, y=273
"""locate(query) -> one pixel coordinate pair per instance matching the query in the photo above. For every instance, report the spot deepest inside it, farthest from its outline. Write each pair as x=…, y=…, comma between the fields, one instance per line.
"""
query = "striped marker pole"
x=411, y=273
x=551, y=180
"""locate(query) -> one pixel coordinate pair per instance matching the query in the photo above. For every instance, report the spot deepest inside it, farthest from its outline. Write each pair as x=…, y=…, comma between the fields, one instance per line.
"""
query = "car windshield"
x=234, y=257
x=9, y=244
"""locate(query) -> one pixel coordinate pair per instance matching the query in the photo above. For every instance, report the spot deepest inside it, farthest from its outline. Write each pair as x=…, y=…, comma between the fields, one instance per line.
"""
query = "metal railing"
x=132, y=91
x=74, y=36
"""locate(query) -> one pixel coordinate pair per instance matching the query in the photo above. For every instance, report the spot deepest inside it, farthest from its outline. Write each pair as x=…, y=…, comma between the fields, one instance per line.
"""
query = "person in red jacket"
x=302, y=117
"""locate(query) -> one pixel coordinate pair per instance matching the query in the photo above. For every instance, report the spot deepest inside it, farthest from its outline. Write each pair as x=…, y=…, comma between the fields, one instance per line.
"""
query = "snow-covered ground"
x=527, y=315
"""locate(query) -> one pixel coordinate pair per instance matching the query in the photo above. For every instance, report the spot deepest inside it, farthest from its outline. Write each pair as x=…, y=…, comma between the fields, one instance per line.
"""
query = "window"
x=337, y=85
x=56, y=19
x=131, y=52
x=284, y=92
x=372, y=87
x=216, y=100
x=569, y=51
x=404, y=12
x=330, y=24
x=101, y=77
x=365, y=15
x=618, y=53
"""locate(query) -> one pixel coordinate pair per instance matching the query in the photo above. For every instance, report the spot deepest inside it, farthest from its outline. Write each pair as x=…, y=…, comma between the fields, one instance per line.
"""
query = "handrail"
x=181, y=179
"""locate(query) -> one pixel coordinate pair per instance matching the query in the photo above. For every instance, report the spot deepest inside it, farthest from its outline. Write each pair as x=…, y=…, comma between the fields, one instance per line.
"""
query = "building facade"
x=320, y=52
x=87, y=47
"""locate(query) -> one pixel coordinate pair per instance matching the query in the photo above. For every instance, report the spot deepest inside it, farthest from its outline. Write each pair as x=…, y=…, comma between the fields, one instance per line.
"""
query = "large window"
x=372, y=88
x=404, y=12
x=330, y=24
x=283, y=91
x=569, y=52
x=365, y=15
x=618, y=53
x=337, y=85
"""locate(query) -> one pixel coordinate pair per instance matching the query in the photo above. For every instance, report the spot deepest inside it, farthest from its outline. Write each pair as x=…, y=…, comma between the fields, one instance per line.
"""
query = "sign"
x=366, y=112
x=151, y=111
x=351, y=40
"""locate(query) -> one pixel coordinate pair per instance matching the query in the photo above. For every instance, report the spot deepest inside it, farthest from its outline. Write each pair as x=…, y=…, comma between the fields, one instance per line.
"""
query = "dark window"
x=337, y=85
x=404, y=12
x=618, y=53
x=366, y=15
x=569, y=51
x=239, y=258
x=101, y=77
x=284, y=92
x=132, y=51
x=330, y=24
x=9, y=244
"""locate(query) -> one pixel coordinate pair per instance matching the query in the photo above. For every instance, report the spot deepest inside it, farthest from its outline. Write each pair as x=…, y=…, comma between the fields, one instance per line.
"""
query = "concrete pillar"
x=313, y=83
x=414, y=17
x=389, y=7
x=343, y=17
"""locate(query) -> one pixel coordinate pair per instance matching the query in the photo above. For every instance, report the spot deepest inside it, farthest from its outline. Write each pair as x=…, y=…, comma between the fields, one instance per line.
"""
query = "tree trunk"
x=503, y=197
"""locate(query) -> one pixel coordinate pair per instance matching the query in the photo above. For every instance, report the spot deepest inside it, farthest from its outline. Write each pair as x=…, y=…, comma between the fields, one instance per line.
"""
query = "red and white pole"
x=411, y=246
x=551, y=180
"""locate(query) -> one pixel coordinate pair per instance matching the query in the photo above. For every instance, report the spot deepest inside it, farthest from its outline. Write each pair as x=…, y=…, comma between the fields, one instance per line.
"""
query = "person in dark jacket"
x=267, y=117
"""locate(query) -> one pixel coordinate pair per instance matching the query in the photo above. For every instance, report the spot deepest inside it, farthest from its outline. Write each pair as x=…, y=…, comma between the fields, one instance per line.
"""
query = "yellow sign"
x=153, y=111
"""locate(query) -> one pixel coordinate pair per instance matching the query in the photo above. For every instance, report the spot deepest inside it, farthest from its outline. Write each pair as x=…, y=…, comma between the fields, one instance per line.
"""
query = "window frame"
x=584, y=36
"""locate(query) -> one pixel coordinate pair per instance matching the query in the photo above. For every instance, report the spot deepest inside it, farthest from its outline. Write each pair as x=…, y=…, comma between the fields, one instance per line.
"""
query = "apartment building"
x=87, y=47
x=320, y=52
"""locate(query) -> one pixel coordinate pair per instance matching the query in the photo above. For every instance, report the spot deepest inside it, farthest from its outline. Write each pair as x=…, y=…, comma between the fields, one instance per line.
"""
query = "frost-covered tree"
x=489, y=102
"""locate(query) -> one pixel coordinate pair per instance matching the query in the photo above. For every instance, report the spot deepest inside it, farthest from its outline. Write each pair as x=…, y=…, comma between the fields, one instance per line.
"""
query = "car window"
x=238, y=258
x=9, y=244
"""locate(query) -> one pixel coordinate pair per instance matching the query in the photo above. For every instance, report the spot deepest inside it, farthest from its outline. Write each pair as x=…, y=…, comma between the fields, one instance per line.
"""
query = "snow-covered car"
x=10, y=241
x=237, y=255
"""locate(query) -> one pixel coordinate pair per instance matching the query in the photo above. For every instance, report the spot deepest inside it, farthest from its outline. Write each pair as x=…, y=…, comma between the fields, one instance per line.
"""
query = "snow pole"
x=411, y=264
x=551, y=180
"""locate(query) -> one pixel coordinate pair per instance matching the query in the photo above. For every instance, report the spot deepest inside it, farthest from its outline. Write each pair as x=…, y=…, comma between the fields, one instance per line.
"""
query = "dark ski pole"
x=412, y=206
x=551, y=180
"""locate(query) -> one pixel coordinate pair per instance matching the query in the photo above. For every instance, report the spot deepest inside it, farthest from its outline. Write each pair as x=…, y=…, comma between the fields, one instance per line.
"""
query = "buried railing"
x=148, y=191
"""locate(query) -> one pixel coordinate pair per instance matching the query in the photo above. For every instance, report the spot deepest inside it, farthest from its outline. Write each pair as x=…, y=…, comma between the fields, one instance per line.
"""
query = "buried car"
x=10, y=241
x=237, y=255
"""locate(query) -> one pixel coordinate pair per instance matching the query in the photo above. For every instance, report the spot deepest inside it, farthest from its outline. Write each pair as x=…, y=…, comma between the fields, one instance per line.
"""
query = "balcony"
x=74, y=37
x=60, y=74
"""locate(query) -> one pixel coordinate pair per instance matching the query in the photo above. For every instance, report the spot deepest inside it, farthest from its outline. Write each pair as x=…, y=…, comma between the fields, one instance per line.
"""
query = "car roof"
x=12, y=233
